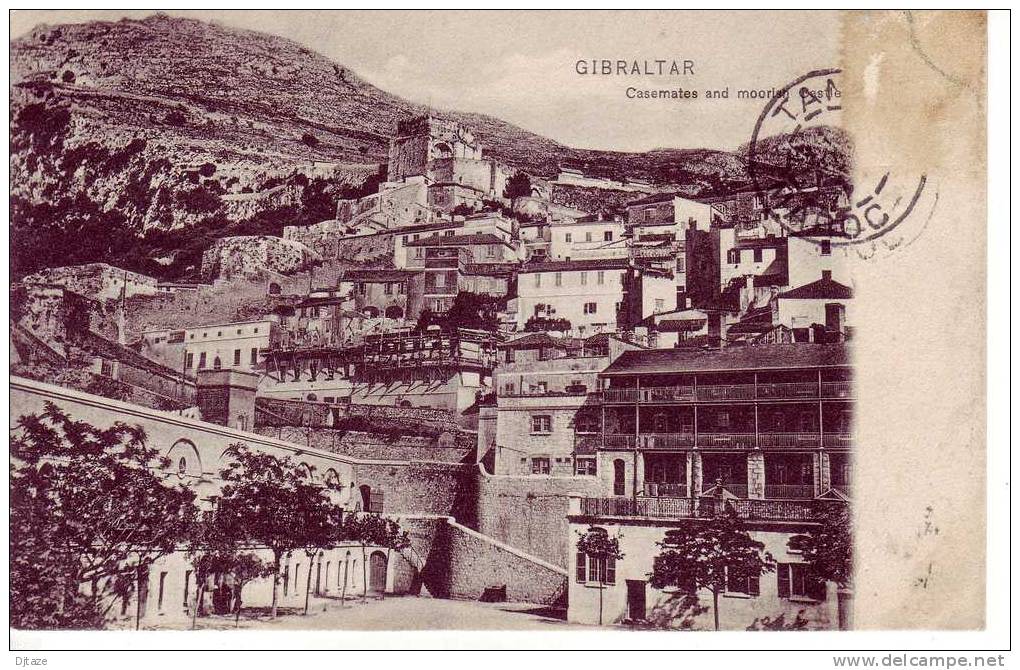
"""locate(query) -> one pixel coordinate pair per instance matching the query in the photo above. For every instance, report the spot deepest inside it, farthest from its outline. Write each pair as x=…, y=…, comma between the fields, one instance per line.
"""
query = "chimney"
x=826, y=274
x=227, y=397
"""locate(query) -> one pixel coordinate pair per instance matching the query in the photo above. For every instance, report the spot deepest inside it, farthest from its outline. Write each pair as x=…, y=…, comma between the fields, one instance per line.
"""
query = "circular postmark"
x=800, y=161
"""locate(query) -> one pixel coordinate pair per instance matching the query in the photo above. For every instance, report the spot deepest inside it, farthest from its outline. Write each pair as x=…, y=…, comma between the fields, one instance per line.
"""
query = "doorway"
x=377, y=572
x=636, y=599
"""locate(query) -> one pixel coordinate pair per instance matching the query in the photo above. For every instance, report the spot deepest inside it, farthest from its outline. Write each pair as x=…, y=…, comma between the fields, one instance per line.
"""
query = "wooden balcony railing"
x=788, y=390
x=790, y=491
x=765, y=391
x=665, y=489
x=619, y=440
x=744, y=440
x=726, y=392
x=794, y=440
x=666, y=440
x=838, y=439
x=687, y=508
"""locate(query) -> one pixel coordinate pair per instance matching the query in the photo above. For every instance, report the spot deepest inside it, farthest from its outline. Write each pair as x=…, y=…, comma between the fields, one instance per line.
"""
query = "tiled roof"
x=535, y=340
x=567, y=266
x=659, y=197
x=824, y=288
x=373, y=275
x=764, y=357
x=455, y=240
x=100, y=346
x=761, y=243
x=489, y=269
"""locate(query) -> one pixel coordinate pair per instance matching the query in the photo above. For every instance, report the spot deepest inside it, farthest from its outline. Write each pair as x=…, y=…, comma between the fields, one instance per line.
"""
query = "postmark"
x=801, y=164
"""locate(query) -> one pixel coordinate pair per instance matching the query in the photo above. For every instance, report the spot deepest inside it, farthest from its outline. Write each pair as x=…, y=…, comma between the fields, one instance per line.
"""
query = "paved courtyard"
x=399, y=613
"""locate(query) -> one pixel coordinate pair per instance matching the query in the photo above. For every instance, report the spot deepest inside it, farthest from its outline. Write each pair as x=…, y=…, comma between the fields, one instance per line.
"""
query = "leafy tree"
x=473, y=310
x=367, y=530
x=541, y=324
x=518, y=186
x=265, y=500
x=246, y=567
x=394, y=539
x=703, y=555
x=90, y=511
x=595, y=543
x=828, y=550
x=315, y=525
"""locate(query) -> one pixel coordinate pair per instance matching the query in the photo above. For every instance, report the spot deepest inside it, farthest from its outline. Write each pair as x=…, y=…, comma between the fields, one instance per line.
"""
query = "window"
x=254, y=356
x=601, y=277
x=216, y=363
x=440, y=280
x=538, y=280
x=619, y=477
x=389, y=288
x=540, y=466
x=740, y=581
x=189, y=360
x=595, y=570
x=723, y=420
x=201, y=360
x=584, y=279
x=219, y=333
x=797, y=580
x=491, y=250
x=448, y=233
x=660, y=304
x=568, y=237
x=585, y=467
x=680, y=262
x=162, y=589
x=559, y=279
x=757, y=255
x=238, y=331
x=587, y=236
x=256, y=331
x=591, y=308
x=541, y=423
x=607, y=236
x=733, y=256
x=237, y=357
x=826, y=247
x=191, y=337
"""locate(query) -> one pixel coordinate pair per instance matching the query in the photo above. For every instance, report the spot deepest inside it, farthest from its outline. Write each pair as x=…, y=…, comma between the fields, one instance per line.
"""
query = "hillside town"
x=549, y=384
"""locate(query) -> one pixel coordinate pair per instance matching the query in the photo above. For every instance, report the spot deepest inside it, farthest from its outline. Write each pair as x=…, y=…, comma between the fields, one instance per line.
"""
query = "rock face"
x=254, y=257
x=172, y=124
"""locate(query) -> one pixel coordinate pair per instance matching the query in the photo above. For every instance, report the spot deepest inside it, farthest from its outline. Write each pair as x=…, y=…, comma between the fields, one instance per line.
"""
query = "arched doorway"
x=619, y=477
x=377, y=572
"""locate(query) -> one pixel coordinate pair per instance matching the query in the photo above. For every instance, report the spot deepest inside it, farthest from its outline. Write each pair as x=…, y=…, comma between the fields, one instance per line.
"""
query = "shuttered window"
x=797, y=580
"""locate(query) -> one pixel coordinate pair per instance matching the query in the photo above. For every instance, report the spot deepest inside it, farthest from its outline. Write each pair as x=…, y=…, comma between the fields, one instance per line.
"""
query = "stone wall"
x=529, y=513
x=462, y=563
x=360, y=444
x=253, y=255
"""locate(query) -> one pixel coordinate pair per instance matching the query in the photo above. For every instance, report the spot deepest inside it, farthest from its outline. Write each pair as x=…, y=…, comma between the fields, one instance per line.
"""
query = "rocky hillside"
x=123, y=131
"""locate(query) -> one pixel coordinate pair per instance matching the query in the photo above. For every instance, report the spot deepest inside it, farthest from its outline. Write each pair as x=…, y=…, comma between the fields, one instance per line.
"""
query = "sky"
x=521, y=66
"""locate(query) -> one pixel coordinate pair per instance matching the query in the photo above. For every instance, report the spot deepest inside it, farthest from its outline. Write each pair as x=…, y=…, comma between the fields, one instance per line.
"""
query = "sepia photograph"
x=655, y=323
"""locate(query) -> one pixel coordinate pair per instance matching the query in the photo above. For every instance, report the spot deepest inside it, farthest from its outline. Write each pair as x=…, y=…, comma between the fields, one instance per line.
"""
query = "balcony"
x=789, y=440
x=726, y=440
x=726, y=392
x=789, y=491
x=619, y=441
x=704, y=508
x=838, y=439
x=665, y=490
x=666, y=440
x=790, y=390
x=716, y=393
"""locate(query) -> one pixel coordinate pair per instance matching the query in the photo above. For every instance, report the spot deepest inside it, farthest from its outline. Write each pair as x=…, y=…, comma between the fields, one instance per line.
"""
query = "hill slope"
x=124, y=130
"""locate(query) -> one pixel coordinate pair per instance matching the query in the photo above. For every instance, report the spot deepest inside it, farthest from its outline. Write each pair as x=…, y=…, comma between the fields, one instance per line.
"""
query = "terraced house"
x=765, y=430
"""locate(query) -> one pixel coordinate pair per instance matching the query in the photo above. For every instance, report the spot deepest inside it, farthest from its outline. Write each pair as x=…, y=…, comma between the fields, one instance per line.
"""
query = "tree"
x=602, y=551
x=315, y=513
x=394, y=539
x=246, y=567
x=709, y=555
x=828, y=550
x=90, y=511
x=542, y=324
x=266, y=501
x=518, y=186
x=368, y=530
x=473, y=310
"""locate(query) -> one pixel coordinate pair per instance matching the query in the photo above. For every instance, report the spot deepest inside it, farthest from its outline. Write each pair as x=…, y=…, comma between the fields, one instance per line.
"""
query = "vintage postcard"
x=506, y=321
